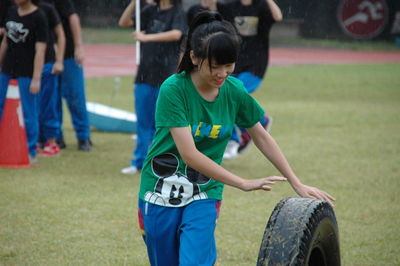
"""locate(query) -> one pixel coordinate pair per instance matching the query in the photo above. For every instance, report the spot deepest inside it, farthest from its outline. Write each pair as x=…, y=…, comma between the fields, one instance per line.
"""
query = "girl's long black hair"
x=210, y=37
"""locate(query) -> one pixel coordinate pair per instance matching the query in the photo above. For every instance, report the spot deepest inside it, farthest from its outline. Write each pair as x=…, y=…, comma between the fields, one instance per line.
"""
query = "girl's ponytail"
x=202, y=18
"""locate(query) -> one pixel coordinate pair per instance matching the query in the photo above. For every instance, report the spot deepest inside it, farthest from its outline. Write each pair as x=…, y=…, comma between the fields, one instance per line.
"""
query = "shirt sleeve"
x=145, y=15
x=170, y=107
x=249, y=112
x=65, y=7
x=179, y=21
x=52, y=16
x=41, y=28
x=265, y=16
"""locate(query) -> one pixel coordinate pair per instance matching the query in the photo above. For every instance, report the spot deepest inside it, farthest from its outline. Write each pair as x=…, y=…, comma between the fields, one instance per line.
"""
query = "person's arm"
x=167, y=36
x=75, y=25
x=40, y=50
x=268, y=146
x=275, y=10
x=198, y=161
x=59, y=48
x=3, y=49
x=2, y=31
x=125, y=21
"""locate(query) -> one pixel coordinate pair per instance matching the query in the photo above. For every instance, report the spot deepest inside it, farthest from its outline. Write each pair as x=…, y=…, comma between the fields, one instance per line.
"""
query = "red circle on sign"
x=363, y=18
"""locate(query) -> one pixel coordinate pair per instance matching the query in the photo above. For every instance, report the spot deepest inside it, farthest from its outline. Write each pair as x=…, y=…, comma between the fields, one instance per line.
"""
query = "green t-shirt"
x=166, y=180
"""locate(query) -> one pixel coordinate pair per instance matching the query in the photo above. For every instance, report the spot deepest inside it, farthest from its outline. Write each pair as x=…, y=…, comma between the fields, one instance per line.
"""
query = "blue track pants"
x=72, y=89
x=180, y=236
x=145, y=108
x=49, y=125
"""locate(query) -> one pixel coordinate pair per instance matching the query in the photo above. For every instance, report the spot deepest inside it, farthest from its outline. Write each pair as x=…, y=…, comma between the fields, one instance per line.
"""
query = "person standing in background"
x=22, y=55
x=72, y=83
x=162, y=28
x=253, y=19
x=49, y=124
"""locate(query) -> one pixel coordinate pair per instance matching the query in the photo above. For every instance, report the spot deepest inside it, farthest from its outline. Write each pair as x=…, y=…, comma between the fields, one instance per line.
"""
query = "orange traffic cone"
x=13, y=144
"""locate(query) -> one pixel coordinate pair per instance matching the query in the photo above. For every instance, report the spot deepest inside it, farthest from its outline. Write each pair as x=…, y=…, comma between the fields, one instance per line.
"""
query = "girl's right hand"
x=261, y=183
x=313, y=193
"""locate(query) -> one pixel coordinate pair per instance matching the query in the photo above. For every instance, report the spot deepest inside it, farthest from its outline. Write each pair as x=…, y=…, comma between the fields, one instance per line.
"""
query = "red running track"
x=119, y=60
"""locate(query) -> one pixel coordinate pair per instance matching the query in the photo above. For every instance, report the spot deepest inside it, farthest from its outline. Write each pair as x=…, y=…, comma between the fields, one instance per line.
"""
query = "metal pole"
x=137, y=30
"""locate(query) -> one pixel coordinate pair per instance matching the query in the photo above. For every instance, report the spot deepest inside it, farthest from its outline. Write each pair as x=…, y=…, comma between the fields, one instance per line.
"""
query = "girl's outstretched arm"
x=197, y=160
x=268, y=146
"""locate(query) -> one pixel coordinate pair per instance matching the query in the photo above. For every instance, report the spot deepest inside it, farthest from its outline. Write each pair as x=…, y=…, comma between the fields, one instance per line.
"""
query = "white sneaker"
x=131, y=170
x=33, y=160
x=231, y=150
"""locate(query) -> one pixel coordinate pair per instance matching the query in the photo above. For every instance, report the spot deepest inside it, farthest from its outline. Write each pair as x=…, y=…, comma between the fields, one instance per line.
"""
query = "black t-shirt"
x=253, y=23
x=159, y=59
x=65, y=9
x=53, y=20
x=22, y=34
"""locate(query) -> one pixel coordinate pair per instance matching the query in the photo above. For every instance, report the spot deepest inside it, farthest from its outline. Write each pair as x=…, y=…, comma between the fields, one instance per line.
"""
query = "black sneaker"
x=85, y=145
x=61, y=143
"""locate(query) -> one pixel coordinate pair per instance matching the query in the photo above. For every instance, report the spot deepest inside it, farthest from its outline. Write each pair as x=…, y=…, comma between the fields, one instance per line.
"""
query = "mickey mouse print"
x=175, y=189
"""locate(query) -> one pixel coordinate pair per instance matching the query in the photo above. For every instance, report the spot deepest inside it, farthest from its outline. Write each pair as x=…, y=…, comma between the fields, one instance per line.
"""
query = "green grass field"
x=339, y=126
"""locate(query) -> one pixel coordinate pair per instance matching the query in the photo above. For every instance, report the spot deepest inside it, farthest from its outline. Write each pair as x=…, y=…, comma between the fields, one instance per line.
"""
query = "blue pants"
x=49, y=125
x=30, y=107
x=145, y=108
x=251, y=82
x=72, y=88
x=180, y=236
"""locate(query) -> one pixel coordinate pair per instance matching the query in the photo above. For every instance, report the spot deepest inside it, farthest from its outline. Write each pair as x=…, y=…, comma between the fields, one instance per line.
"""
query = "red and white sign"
x=363, y=19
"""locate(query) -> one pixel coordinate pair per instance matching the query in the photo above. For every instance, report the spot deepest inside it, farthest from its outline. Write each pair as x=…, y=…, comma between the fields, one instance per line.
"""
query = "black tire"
x=301, y=231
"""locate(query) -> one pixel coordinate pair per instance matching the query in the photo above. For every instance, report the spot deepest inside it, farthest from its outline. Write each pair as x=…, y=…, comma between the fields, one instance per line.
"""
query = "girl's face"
x=215, y=76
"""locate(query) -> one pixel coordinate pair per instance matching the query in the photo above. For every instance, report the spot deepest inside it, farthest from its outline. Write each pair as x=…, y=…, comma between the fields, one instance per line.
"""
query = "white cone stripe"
x=12, y=92
x=20, y=116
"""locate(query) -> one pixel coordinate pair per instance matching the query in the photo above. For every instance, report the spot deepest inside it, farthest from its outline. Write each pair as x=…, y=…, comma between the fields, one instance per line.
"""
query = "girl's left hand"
x=139, y=36
x=35, y=86
x=314, y=193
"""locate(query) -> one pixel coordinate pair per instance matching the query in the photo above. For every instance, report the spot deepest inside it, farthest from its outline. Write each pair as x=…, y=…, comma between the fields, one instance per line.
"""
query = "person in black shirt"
x=253, y=19
x=72, y=83
x=162, y=29
x=22, y=55
x=49, y=125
